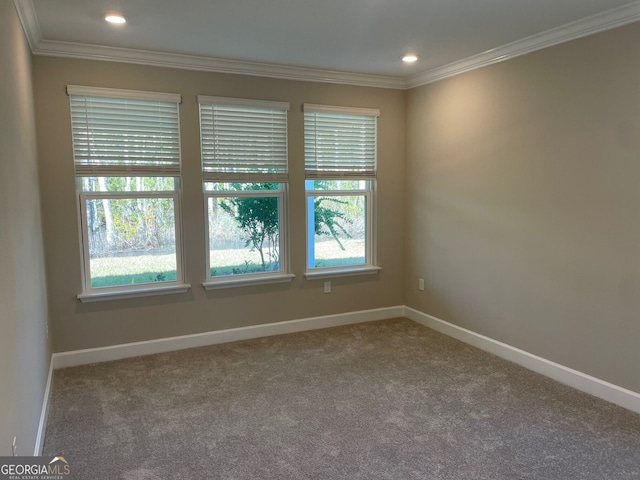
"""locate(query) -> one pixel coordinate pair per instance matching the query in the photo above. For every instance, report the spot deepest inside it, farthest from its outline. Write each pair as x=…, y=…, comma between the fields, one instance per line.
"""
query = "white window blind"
x=339, y=142
x=124, y=133
x=243, y=140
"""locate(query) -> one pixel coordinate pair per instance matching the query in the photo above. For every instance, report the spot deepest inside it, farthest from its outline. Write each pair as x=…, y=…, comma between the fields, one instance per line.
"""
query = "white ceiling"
x=349, y=41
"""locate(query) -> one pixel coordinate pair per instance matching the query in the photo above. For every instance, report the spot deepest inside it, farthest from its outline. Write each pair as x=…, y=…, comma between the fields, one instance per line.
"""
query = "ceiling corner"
x=29, y=20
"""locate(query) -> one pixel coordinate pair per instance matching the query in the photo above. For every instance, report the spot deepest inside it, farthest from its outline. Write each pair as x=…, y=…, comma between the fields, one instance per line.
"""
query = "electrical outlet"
x=421, y=284
x=14, y=446
x=327, y=287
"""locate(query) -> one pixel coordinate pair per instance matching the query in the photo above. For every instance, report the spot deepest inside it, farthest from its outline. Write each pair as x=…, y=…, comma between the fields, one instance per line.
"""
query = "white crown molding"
x=29, y=20
x=208, y=64
x=616, y=17
x=40, y=46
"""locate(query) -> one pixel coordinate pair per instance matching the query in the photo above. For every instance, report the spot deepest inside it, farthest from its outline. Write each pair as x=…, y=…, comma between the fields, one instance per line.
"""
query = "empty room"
x=320, y=240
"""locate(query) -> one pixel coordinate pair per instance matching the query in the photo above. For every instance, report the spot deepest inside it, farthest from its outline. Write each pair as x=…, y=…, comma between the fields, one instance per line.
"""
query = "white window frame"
x=369, y=193
x=246, y=279
x=94, y=294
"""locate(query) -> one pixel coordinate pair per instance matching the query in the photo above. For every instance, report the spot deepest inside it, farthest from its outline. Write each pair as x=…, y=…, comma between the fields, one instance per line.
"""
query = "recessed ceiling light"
x=115, y=18
x=410, y=58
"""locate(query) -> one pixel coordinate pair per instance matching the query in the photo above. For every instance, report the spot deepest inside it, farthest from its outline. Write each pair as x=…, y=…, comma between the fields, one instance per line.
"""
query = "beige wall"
x=523, y=200
x=78, y=326
x=517, y=201
x=24, y=350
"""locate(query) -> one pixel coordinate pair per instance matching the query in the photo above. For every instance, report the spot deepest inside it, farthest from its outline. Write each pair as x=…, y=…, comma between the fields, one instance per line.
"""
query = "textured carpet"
x=381, y=400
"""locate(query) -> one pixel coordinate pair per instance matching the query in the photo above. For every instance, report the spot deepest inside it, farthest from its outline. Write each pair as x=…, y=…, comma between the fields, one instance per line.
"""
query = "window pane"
x=131, y=241
x=244, y=235
x=340, y=226
x=337, y=185
x=239, y=187
x=128, y=184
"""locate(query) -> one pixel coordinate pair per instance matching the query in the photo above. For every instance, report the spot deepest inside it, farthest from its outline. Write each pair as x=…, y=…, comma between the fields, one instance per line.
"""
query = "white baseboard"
x=581, y=381
x=44, y=413
x=578, y=380
x=116, y=352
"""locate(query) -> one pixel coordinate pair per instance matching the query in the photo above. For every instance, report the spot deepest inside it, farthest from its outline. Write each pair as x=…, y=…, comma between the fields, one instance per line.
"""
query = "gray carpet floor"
x=380, y=400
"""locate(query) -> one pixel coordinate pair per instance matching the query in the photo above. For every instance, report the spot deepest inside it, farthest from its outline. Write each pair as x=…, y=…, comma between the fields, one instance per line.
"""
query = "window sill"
x=248, y=281
x=133, y=293
x=321, y=273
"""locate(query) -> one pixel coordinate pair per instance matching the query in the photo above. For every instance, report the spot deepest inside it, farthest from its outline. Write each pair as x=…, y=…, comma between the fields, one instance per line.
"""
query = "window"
x=245, y=175
x=340, y=170
x=126, y=147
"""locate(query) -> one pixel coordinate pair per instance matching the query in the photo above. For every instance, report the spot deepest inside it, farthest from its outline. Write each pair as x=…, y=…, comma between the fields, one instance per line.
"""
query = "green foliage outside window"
x=326, y=218
x=135, y=223
x=258, y=218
